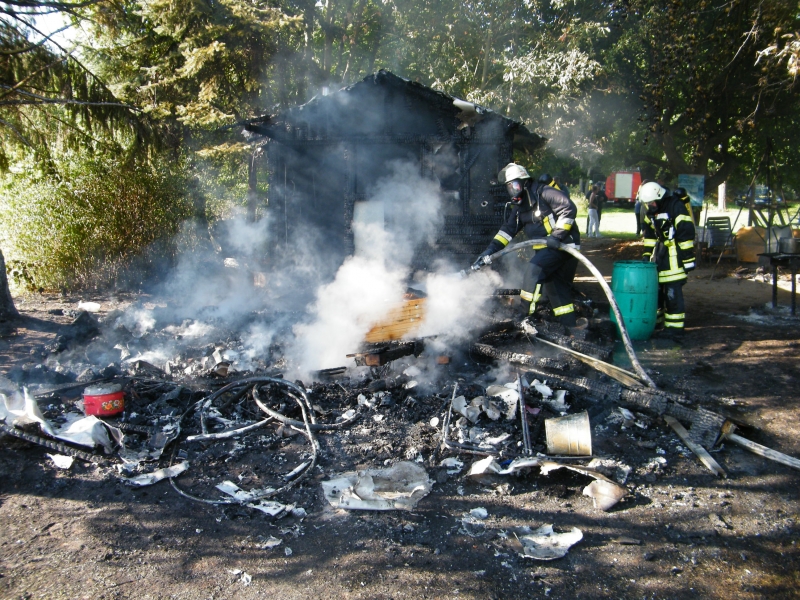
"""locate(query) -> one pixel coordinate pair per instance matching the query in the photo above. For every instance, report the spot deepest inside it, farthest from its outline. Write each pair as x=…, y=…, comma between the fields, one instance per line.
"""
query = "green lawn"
x=619, y=221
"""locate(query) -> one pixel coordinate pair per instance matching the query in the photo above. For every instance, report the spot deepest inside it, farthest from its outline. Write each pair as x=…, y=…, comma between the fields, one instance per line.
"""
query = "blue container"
x=635, y=287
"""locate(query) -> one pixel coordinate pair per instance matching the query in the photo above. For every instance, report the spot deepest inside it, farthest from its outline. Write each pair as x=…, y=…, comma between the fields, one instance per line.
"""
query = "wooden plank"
x=769, y=453
x=699, y=451
x=399, y=322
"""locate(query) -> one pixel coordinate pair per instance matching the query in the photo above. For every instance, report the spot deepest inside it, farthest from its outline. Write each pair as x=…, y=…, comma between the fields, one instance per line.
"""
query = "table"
x=779, y=259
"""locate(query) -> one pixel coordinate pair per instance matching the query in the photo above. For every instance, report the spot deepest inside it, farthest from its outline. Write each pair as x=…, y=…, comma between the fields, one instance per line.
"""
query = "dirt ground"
x=681, y=532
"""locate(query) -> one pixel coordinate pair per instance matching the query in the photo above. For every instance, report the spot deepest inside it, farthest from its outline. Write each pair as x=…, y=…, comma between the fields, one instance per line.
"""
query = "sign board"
x=695, y=186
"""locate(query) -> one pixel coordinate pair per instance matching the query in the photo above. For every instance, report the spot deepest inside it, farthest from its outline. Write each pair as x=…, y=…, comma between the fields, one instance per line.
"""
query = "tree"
x=707, y=107
x=8, y=312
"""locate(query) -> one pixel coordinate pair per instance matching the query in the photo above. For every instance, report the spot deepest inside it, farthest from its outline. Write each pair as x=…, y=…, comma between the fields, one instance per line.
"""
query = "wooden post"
x=721, y=191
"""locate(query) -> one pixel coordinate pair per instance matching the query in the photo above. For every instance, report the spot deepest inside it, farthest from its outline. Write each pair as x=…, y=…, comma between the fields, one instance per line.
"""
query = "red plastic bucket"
x=103, y=400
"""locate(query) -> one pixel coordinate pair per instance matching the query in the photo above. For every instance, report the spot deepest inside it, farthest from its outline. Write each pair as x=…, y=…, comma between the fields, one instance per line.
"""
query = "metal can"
x=104, y=400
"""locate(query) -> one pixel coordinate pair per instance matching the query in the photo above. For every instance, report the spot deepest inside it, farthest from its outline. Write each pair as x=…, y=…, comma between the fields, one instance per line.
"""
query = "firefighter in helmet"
x=669, y=243
x=542, y=211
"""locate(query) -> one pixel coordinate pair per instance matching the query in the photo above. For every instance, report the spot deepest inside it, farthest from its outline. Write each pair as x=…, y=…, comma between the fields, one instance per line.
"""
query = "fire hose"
x=299, y=396
x=626, y=340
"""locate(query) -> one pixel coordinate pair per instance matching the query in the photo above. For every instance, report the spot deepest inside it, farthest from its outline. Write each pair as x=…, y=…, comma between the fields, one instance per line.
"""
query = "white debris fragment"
x=156, y=476
x=271, y=543
x=612, y=468
x=452, y=464
x=484, y=466
x=61, y=461
x=493, y=441
x=545, y=544
x=269, y=507
x=542, y=388
x=479, y=513
x=604, y=492
x=22, y=409
x=377, y=418
x=626, y=414
x=400, y=486
x=230, y=488
x=287, y=551
x=509, y=396
x=434, y=422
x=364, y=401
x=472, y=526
x=467, y=410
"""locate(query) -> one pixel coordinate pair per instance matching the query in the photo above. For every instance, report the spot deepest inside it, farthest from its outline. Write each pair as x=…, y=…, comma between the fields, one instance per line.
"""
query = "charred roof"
x=390, y=99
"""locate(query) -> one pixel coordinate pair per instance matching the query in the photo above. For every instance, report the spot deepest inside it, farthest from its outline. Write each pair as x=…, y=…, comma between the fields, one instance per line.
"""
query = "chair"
x=719, y=236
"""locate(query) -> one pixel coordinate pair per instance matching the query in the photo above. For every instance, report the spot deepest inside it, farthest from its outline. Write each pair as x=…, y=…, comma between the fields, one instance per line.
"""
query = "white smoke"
x=286, y=301
x=456, y=305
x=372, y=282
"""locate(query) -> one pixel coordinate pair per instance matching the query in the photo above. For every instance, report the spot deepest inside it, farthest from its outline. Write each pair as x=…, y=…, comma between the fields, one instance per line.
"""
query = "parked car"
x=760, y=194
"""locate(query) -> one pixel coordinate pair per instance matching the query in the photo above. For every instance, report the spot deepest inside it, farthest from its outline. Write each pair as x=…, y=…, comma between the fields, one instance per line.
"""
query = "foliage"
x=667, y=85
x=50, y=102
x=707, y=107
x=82, y=225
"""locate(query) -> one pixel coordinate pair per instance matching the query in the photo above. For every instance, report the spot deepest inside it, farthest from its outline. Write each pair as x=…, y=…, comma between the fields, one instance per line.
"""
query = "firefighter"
x=541, y=211
x=669, y=243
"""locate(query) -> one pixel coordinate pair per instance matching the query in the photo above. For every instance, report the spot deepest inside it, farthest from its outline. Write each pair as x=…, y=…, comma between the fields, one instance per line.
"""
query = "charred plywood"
x=326, y=156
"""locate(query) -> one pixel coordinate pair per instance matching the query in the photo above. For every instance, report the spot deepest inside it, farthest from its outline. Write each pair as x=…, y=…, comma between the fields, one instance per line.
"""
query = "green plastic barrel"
x=635, y=286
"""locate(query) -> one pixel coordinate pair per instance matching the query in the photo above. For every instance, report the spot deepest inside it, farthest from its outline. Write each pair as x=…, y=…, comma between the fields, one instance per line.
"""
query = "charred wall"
x=328, y=155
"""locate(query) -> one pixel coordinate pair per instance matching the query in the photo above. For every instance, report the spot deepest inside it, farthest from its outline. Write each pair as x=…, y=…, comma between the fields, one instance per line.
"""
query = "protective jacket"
x=556, y=217
x=669, y=234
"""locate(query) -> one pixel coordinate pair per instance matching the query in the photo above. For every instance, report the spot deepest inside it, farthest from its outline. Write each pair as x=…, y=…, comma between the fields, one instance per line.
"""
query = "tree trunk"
x=252, y=187
x=8, y=312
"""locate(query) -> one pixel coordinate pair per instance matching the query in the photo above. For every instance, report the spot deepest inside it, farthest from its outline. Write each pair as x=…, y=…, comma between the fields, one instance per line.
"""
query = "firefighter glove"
x=483, y=259
x=553, y=242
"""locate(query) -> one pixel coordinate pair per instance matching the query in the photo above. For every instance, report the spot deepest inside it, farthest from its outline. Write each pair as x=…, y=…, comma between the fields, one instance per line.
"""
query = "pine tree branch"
x=36, y=45
x=36, y=72
x=16, y=132
x=37, y=99
x=59, y=6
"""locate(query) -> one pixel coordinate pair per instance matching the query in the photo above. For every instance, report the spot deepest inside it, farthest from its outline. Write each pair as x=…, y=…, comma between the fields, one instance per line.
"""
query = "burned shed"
x=326, y=158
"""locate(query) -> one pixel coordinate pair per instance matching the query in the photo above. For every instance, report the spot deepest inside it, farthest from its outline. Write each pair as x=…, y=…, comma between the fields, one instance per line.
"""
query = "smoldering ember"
x=357, y=413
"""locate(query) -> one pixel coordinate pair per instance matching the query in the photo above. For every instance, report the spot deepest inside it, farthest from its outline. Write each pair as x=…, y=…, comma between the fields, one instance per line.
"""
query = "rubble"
x=380, y=434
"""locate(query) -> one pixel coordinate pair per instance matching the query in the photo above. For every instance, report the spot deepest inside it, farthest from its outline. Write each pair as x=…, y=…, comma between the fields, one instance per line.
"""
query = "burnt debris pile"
x=227, y=427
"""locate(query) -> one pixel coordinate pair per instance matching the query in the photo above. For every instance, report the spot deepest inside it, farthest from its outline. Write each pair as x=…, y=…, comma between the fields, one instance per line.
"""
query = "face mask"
x=514, y=188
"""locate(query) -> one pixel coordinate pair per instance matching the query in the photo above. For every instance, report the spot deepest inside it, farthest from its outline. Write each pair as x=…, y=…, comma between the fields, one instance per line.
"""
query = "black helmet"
x=680, y=192
x=545, y=178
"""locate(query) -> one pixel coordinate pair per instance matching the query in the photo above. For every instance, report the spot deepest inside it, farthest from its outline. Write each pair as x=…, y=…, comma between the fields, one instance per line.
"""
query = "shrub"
x=86, y=223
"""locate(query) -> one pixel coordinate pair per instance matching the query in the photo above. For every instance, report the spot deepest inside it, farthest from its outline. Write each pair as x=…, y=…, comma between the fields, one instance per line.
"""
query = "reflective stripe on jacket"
x=669, y=231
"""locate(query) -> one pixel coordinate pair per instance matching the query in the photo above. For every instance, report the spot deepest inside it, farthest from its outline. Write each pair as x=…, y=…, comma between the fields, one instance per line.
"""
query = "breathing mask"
x=514, y=189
